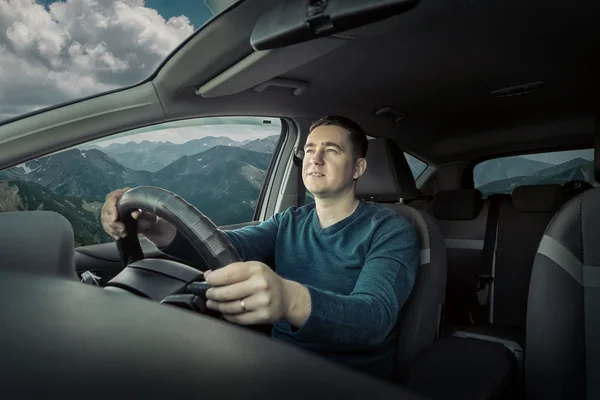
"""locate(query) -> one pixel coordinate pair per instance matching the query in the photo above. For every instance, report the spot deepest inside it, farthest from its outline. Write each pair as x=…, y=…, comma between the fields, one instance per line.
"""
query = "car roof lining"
x=447, y=99
x=426, y=63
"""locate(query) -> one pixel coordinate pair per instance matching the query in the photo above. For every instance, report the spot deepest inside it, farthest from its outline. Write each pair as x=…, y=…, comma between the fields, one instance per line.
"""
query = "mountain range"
x=153, y=156
x=506, y=168
x=503, y=175
x=223, y=182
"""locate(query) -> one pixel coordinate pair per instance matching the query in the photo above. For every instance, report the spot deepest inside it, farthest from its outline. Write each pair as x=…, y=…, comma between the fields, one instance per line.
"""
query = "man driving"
x=331, y=276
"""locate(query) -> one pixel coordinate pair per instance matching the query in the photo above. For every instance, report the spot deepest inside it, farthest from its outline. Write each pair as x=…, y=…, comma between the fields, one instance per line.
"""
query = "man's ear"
x=359, y=168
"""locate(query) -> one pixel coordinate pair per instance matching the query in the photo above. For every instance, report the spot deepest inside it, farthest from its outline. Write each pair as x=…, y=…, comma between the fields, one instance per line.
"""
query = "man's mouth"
x=315, y=174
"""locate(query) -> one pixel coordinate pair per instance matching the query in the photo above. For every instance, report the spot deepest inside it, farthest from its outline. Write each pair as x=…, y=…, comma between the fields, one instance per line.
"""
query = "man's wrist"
x=298, y=304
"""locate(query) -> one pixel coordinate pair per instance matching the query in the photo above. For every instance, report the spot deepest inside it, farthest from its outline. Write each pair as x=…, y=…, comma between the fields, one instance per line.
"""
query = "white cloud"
x=78, y=48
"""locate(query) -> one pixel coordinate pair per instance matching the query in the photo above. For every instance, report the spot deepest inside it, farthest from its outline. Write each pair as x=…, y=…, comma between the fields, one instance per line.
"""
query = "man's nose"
x=317, y=158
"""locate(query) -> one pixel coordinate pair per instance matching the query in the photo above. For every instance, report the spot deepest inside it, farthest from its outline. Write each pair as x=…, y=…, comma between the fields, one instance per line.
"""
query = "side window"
x=502, y=175
x=416, y=166
x=217, y=164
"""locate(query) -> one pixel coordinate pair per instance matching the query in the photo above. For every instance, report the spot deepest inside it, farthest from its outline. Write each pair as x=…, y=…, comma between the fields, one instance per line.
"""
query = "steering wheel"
x=162, y=280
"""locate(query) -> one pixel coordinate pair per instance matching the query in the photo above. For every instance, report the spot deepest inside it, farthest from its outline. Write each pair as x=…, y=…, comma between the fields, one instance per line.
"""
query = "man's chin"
x=322, y=194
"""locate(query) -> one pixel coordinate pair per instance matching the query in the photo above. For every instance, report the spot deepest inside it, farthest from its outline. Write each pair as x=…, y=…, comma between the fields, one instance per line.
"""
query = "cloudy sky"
x=56, y=51
x=239, y=129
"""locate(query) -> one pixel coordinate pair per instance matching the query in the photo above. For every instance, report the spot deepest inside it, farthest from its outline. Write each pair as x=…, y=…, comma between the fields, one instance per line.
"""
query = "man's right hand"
x=151, y=226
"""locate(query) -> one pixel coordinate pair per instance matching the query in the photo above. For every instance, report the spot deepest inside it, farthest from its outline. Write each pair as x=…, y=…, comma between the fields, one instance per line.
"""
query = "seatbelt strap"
x=485, y=277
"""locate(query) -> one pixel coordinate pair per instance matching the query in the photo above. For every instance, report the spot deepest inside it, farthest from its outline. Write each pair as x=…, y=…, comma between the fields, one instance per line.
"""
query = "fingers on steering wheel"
x=231, y=307
x=117, y=230
x=232, y=292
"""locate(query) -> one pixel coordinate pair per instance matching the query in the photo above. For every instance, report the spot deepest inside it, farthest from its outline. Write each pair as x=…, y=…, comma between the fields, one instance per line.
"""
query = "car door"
x=219, y=165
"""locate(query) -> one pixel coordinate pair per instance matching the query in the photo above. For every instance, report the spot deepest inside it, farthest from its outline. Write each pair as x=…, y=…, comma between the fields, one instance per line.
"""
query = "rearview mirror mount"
x=296, y=21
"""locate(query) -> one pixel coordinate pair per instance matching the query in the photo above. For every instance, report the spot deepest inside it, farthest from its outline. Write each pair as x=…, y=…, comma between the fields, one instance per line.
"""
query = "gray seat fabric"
x=388, y=176
x=563, y=318
x=522, y=219
x=462, y=216
x=523, y=216
x=457, y=368
x=521, y=224
x=43, y=243
x=388, y=179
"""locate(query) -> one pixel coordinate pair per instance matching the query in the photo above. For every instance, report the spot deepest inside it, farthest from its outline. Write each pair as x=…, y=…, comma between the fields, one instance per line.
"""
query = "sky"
x=562, y=156
x=52, y=52
x=183, y=131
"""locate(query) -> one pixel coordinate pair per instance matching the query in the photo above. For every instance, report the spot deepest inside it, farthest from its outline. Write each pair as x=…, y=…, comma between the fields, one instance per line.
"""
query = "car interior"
x=505, y=302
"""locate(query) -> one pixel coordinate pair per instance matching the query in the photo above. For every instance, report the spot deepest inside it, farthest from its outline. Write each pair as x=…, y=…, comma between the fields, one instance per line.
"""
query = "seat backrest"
x=388, y=179
x=420, y=322
x=522, y=220
x=42, y=244
x=563, y=318
x=462, y=217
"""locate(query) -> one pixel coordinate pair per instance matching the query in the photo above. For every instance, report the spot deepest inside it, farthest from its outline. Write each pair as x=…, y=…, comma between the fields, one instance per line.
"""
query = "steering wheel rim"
x=212, y=245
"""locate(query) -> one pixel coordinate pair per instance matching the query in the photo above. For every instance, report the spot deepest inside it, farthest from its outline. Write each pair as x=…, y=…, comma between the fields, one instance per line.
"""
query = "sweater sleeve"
x=252, y=243
x=368, y=314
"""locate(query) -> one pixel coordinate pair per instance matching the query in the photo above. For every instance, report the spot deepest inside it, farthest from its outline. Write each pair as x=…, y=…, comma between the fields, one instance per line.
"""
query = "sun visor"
x=260, y=68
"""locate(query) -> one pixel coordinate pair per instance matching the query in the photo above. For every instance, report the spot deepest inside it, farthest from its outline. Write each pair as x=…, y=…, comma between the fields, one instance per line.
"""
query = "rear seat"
x=462, y=215
x=522, y=219
x=521, y=225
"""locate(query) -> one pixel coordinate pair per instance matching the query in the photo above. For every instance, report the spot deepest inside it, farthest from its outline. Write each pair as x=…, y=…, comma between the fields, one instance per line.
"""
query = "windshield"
x=53, y=52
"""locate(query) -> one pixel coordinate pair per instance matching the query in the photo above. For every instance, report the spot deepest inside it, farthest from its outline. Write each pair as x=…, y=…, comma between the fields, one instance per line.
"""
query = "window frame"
x=267, y=188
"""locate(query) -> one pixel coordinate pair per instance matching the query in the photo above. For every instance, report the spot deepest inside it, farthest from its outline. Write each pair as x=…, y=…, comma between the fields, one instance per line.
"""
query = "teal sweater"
x=359, y=273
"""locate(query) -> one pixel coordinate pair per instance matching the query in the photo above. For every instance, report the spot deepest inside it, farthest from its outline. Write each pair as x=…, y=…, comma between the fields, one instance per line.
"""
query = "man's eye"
x=308, y=151
x=332, y=150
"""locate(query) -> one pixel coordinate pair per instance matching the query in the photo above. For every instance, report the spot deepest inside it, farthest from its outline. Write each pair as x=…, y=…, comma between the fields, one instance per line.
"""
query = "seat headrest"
x=388, y=176
x=41, y=242
x=537, y=198
x=461, y=204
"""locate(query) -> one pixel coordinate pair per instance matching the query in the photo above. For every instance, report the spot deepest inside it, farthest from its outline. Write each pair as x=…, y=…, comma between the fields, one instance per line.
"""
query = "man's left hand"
x=267, y=297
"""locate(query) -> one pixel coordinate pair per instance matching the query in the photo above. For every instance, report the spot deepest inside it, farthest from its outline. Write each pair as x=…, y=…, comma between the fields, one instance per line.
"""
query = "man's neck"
x=332, y=210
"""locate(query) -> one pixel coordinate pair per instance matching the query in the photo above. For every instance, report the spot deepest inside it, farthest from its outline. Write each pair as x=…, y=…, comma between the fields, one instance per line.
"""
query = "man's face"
x=328, y=168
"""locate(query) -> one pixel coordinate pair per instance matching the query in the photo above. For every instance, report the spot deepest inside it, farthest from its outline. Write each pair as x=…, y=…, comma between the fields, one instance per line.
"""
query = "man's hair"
x=358, y=137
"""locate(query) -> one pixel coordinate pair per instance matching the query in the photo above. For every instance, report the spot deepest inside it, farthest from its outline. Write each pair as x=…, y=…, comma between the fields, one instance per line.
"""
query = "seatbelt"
x=485, y=278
